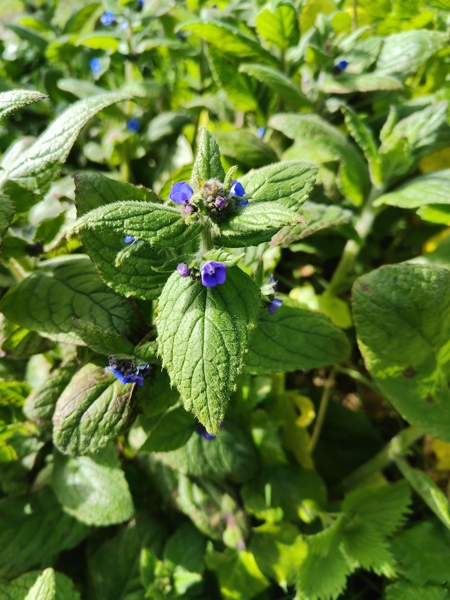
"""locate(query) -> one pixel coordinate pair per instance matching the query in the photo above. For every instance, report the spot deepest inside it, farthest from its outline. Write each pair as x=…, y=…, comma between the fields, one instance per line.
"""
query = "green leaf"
x=100, y=40
x=18, y=588
x=317, y=217
x=229, y=39
x=366, y=547
x=40, y=404
x=430, y=188
x=13, y=393
x=156, y=224
x=166, y=124
x=172, y=431
x=348, y=83
x=135, y=277
x=403, y=590
x=423, y=553
x=278, y=24
x=277, y=82
x=103, y=341
x=203, y=335
x=245, y=148
x=91, y=411
x=313, y=132
x=33, y=529
x=80, y=17
x=230, y=455
x=254, y=224
x=430, y=493
x=294, y=338
x=236, y=86
x=15, y=99
x=40, y=164
x=93, y=488
x=67, y=287
x=207, y=164
x=183, y=557
x=402, y=325
x=238, y=573
x=405, y=52
x=44, y=587
x=6, y=216
x=363, y=136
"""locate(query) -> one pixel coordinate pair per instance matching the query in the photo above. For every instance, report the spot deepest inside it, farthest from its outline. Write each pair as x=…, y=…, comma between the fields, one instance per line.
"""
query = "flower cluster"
x=212, y=198
x=126, y=372
x=211, y=273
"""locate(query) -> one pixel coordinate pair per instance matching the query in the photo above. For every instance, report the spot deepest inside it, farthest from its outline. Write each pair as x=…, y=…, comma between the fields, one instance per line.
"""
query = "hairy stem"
x=328, y=386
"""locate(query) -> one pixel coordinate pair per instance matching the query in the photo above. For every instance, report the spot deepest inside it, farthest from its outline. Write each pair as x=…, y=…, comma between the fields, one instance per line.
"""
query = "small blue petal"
x=133, y=125
x=342, y=65
x=95, y=65
x=128, y=239
x=242, y=203
x=201, y=431
x=181, y=192
x=122, y=26
x=237, y=189
x=213, y=273
x=140, y=4
x=107, y=18
x=261, y=131
x=274, y=305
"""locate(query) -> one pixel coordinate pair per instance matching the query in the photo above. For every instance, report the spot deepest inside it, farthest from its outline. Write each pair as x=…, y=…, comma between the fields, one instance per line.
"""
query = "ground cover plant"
x=225, y=300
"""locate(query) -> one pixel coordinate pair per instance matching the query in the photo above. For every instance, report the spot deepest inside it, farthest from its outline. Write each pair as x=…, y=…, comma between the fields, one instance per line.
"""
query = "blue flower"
x=140, y=5
x=126, y=372
x=133, y=125
x=274, y=305
x=236, y=189
x=130, y=378
x=242, y=202
x=181, y=192
x=213, y=273
x=183, y=270
x=340, y=66
x=261, y=131
x=95, y=65
x=122, y=25
x=107, y=18
x=128, y=239
x=201, y=431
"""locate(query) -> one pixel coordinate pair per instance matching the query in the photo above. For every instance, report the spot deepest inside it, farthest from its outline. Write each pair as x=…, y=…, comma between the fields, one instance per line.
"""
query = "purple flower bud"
x=261, y=131
x=128, y=239
x=188, y=208
x=274, y=305
x=220, y=202
x=95, y=65
x=133, y=125
x=201, y=431
x=242, y=203
x=183, y=270
x=181, y=192
x=213, y=273
x=107, y=18
x=236, y=188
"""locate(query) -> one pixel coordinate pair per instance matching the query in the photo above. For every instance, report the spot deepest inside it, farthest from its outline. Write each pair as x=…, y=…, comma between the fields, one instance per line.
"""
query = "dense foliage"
x=225, y=300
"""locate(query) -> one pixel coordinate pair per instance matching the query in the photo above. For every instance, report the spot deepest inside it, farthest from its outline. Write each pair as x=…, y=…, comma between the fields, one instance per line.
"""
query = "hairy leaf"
x=44, y=587
x=236, y=86
x=431, y=188
x=277, y=82
x=18, y=588
x=404, y=590
x=15, y=99
x=405, y=52
x=347, y=83
x=207, y=162
x=104, y=341
x=245, y=147
x=278, y=24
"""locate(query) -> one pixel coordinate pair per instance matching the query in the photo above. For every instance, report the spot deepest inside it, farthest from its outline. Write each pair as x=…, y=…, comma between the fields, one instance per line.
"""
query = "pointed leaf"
x=44, y=587
x=278, y=24
x=203, y=335
x=93, y=488
x=104, y=341
x=6, y=216
x=406, y=51
x=348, y=83
x=277, y=82
x=18, y=588
x=236, y=86
x=207, y=162
x=245, y=147
x=15, y=99
x=431, y=188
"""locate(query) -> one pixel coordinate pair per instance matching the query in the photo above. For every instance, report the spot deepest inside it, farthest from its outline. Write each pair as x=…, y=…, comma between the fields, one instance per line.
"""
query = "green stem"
x=206, y=242
x=328, y=386
x=396, y=447
x=343, y=276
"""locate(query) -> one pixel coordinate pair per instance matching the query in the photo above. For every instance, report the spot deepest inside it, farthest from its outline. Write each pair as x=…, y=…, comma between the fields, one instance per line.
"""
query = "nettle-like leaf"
x=33, y=170
x=34, y=529
x=348, y=83
x=294, y=338
x=91, y=411
x=207, y=162
x=18, y=588
x=93, y=488
x=203, y=335
x=48, y=299
x=44, y=588
x=135, y=274
x=244, y=147
x=16, y=99
x=277, y=24
x=313, y=132
x=401, y=315
x=277, y=82
x=404, y=590
x=430, y=188
x=103, y=341
x=317, y=217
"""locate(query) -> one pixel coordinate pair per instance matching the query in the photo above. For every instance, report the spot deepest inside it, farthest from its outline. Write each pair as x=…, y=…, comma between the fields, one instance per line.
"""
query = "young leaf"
x=294, y=338
x=289, y=182
x=34, y=529
x=15, y=99
x=68, y=287
x=40, y=164
x=203, y=335
x=401, y=315
x=245, y=147
x=277, y=82
x=406, y=51
x=91, y=411
x=237, y=569
x=207, y=162
x=278, y=24
x=93, y=488
x=44, y=587
x=18, y=588
x=156, y=224
x=314, y=132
